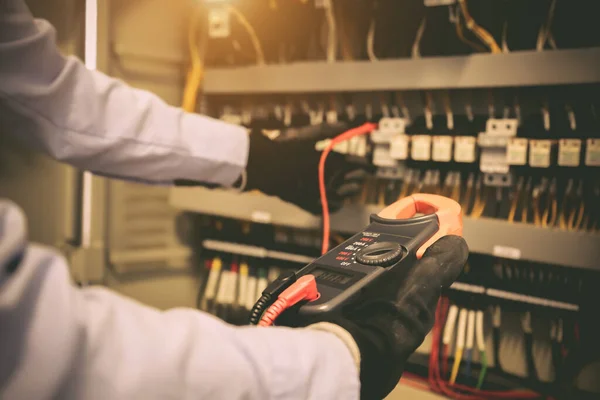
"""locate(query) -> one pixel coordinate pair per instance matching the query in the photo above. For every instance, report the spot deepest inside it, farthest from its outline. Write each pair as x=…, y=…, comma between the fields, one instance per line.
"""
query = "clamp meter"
x=384, y=252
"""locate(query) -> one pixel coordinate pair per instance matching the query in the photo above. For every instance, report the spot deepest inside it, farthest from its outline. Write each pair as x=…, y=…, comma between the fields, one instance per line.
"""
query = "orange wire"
x=361, y=130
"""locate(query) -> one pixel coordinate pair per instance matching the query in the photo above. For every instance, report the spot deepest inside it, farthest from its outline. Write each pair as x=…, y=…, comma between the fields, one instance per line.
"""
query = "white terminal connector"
x=450, y=324
x=479, y=331
x=470, y=330
x=462, y=328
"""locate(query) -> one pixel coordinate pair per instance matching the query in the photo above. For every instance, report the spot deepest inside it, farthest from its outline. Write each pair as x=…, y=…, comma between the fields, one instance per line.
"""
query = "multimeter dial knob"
x=382, y=254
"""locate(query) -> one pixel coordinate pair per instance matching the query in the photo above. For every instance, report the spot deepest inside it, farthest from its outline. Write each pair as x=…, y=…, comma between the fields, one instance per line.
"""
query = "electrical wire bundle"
x=569, y=204
x=450, y=388
x=231, y=289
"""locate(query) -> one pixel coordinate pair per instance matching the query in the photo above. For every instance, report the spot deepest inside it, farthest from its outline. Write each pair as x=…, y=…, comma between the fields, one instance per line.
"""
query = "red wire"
x=445, y=361
x=358, y=131
x=439, y=385
x=274, y=311
x=305, y=288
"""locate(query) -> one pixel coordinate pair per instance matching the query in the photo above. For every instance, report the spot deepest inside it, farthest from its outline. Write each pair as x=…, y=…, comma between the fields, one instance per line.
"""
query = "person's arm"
x=60, y=341
x=98, y=123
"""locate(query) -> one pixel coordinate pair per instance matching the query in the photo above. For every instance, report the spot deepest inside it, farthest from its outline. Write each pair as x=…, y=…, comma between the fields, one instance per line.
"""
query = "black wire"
x=556, y=360
x=531, y=370
x=259, y=308
x=496, y=337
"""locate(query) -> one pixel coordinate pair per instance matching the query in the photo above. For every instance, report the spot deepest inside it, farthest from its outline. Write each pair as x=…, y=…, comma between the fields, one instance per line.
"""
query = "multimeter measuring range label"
x=387, y=249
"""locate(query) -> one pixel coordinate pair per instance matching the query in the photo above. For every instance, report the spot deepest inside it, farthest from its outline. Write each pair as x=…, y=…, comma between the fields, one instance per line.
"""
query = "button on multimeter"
x=382, y=254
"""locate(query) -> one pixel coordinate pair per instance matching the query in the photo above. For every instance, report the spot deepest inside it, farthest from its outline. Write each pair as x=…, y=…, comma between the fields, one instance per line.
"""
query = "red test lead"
x=305, y=288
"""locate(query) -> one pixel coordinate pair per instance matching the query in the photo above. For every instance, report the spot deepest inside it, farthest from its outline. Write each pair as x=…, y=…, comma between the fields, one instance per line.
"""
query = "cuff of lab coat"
x=343, y=335
x=217, y=151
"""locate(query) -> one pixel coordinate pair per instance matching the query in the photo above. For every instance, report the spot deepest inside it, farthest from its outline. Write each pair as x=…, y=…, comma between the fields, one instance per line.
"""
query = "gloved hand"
x=288, y=168
x=388, y=330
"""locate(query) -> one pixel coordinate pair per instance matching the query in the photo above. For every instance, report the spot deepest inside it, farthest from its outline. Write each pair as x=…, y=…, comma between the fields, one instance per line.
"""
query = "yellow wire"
x=537, y=219
x=196, y=71
x=466, y=201
x=576, y=217
x=244, y=268
x=461, y=35
x=381, y=193
x=525, y=213
x=564, y=209
x=554, y=213
x=404, y=190
x=546, y=220
x=455, y=194
x=480, y=32
x=515, y=202
x=562, y=220
x=260, y=56
x=580, y=216
x=479, y=203
x=456, y=365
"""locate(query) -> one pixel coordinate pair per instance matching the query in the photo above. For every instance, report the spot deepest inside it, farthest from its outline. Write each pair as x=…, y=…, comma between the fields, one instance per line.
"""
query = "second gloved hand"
x=388, y=329
x=288, y=169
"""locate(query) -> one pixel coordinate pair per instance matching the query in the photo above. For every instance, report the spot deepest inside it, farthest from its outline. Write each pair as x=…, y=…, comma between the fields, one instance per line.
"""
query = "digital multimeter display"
x=330, y=276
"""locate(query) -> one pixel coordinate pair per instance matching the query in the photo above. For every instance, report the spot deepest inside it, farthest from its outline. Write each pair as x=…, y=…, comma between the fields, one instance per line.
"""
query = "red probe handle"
x=447, y=210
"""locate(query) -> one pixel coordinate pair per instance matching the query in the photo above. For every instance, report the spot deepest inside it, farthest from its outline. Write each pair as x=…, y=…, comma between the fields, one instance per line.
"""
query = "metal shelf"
x=484, y=235
x=524, y=68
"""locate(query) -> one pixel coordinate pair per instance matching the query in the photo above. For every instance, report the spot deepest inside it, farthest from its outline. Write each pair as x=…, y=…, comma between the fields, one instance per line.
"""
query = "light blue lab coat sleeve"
x=98, y=123
x=58, y=341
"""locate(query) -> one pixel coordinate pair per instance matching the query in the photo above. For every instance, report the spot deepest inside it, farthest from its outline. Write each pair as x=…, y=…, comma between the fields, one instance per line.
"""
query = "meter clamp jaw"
x=376, y=260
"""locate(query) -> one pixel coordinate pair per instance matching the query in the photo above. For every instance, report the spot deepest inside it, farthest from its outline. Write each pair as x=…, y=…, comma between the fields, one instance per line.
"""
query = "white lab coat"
x=61, y=342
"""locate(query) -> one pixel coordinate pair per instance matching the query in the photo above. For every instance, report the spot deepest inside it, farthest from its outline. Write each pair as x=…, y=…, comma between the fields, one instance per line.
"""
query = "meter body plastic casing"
x=373, y=262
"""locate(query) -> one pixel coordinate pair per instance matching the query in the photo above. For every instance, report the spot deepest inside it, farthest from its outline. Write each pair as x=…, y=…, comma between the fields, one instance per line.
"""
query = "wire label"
x=569, y=152
x=540, y=153
x=592, y=153
x=442, y=148
x=399, y=147
x=516, y=151
x=421, y=148
x=218, y=22
x=506, y=252
x=435, y=3
x=382, y=156
x=262, y=217
x=464, y=149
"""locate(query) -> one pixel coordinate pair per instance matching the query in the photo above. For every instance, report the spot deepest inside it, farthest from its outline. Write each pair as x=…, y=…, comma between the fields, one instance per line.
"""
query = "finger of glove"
x=345, y=173
x=349, y=189
x=450, y=253
x=439, y=267
x=357, y=175
x=316, y=132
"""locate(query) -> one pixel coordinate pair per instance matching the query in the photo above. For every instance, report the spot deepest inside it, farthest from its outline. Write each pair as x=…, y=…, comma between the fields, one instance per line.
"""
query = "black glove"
x=287, y=167
x=388, y=330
